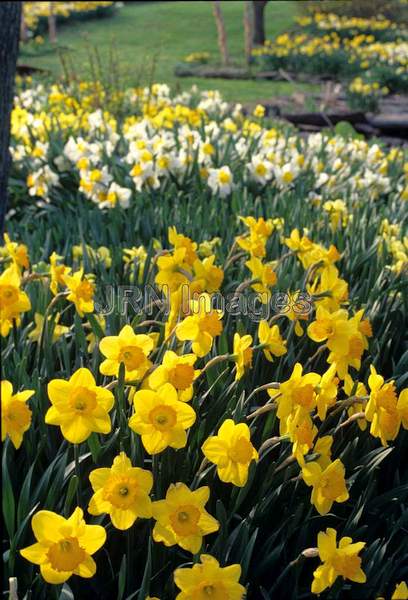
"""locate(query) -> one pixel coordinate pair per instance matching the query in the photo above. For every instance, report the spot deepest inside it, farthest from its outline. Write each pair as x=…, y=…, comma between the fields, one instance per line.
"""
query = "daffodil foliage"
x=204, y=354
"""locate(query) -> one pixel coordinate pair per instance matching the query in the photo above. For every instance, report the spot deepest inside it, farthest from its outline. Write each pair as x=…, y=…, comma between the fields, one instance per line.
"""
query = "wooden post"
x=10, y=21
x=23, y=26
x=248, y=21
x=222, y=35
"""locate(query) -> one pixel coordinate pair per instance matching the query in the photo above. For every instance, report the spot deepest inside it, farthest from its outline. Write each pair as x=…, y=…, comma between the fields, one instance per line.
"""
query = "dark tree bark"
x=10, y=20
x=259, y=21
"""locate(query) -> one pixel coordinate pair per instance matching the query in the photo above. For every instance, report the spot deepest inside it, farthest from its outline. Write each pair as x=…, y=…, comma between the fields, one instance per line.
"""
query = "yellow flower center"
x=66, y=554
x=260, y=169
x=185, y=520
x=83, y=400
x=85, y=290
x=304, y=395
x=8, y=295
x=17, y=415
x=181, y=376
x=121, y=491
x=324, y=329
x=247, y=356
x=242, y=451
x=304, y=434
x=163, y=418
x=132, y=356
x=211, y=324
x=356, y=347
x=207, y=589
x=386, y=397
x=269, y=276
x=332, y=486
x=346, y=565
x=224, y=177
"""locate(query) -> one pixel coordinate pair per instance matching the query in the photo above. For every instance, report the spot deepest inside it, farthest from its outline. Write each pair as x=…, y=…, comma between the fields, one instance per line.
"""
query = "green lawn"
x=160, y=34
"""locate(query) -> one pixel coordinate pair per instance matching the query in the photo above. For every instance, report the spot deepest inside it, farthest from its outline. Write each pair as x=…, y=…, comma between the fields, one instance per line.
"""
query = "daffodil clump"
x=343, y=47
x=380, y=27
x=197, y=58
x=36, y=13
x=203, y=353
x=365, y=95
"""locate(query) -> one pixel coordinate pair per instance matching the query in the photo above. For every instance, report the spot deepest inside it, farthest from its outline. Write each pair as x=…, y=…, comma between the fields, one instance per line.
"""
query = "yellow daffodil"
x=265, y=276
x=338, y=561
x=207, y=276
x=17, y=252
x=57, y=272
x=326, y=391
x=402, y=407
x=79, y=406
x=128, y=348
x=13, y=300
x=271, y=340
x=161, y=419
x=298, y=390
x=242, y=353
x=301, y=432
x=322, y=449
x=400, y=592
x=182, y=519
x=64, y=547
x=231, y=450
x=15, y=414
x=173, y=271
x=122, y=491
x=381, y=409
x=207, y=578
x=201, y=326
x=177, y=370
x=333, y=289
x=81, y=292
x=178, y=240
x=328, y=484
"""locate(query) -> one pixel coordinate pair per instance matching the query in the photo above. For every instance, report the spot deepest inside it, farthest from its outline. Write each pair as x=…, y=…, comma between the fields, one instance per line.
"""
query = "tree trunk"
x=222, y=35
x=248, y=21
x=52, y=25
x=10, y=20
x=259, y=21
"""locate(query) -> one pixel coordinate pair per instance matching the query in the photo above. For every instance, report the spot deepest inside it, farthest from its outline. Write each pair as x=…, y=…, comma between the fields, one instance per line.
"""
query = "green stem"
x=78, y=474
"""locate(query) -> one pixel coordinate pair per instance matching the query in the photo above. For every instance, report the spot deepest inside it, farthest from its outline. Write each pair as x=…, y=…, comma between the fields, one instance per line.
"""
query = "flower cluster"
x=35, y=12
x=264, y=376
x=375, y=49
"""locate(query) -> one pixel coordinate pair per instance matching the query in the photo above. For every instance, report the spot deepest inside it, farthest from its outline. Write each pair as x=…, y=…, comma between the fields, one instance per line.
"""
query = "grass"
x=154, y=36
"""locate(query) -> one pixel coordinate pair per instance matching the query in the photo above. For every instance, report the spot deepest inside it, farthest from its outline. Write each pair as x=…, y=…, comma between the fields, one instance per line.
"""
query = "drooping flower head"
x=328, y=484
x=338, y=561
